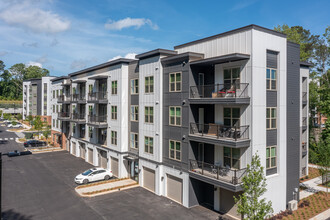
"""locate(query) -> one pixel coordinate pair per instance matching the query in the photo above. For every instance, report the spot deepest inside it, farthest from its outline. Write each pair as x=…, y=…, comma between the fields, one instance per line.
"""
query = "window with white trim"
x=271, y=75
x=114, y=137
x=271, y=118
x=134, y=140
x=90, y=131
x=135, y=86
x=175, y=115
x=134, y=113
x=149, y=114
x=175, y=150
x=149, y=145
x=114, y=85
x=114, y=112
x=271, y=157
x=149, y=84
x=175, y=82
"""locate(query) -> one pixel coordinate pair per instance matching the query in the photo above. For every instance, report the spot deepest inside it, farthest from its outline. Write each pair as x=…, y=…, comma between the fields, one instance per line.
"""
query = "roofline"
x=183, y=55
x=59, y=78
x=156, y=52
x=27, y=80
x=306, y=64
x=248, y=27
x=102, y=65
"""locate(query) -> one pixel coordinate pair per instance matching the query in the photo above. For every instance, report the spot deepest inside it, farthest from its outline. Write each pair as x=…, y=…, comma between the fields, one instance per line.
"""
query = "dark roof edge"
x=306, y=64
x=156, y=52
x=248, y=27
x=32, y=79
x=102, y=65
x=59, y=78
x=182, y=55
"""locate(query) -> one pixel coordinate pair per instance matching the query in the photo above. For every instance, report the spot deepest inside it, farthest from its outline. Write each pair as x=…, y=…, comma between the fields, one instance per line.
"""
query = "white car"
x=94, y=174
x=15, y=126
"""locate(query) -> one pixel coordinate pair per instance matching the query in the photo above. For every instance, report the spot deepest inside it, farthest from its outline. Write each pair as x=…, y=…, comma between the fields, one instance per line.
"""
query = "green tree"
x=30, y=119
x=323, y=158
x=47, y=132
x=250, y=204
x=38, y=124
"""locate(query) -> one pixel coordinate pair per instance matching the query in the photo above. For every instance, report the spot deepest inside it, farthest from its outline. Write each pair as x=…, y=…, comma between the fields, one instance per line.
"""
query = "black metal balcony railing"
x=97, y=119
x=304, y=96
x=225, y=174
x=304, y=121
x=102, y=141
x=97, y=96
x=78, y=97
x=63, y=114
x=234, y=90
x=62, y=98
x=76, y=116
x=220, y=131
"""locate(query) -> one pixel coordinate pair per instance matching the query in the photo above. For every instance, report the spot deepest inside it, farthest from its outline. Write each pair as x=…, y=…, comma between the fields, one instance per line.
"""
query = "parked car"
x=92, y=175
x=18, y=125
x=35, y=143
x=18, y=153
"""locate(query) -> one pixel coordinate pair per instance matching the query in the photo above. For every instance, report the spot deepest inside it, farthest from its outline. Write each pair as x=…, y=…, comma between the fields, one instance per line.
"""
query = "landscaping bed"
x=99, y=183
x=109, y=189
x=312, y=173
x=307, y=208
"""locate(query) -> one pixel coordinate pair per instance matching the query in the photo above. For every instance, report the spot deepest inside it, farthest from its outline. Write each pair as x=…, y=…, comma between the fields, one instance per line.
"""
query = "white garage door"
x=149, y=179
x=74, y=148
x=103, y=162
x=90, y=155
x=114, y=166
x=82, y=152
x=174, y=188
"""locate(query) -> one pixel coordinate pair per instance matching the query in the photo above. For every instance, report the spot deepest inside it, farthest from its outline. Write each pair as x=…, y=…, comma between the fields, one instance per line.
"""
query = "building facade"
x=185, y=123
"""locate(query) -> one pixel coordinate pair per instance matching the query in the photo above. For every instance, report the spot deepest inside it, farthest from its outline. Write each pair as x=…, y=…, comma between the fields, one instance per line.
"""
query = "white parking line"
x=6, y=138
x=11, y=139
x=0, y=139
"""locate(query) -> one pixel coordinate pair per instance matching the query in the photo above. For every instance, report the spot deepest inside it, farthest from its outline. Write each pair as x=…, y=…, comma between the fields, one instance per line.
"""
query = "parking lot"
x=41, y=186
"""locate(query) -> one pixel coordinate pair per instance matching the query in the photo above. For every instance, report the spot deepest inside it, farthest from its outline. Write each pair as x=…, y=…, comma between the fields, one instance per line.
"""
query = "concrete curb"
x=107, y=192
x=322, y=216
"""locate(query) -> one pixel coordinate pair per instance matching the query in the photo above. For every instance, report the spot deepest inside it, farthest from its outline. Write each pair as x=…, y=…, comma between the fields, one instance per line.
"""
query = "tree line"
x=11, y=80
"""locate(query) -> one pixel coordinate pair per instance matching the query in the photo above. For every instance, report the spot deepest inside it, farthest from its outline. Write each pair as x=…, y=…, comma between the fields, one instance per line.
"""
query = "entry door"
x=201, y=119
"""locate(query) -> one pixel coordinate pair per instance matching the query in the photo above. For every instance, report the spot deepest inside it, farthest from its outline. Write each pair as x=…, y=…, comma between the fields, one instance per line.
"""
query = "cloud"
x=32, y=63
x=54, y=42
x=30, y=17
x=243, y=4
x=3, y=53
x=35, y=44
x=81, y=63
x=128, y=56
x=129, y=22
x=42, y=59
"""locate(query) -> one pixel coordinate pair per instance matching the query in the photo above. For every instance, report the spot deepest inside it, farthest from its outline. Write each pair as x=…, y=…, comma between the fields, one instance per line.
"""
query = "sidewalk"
x=312, y=187
x=322, y=216
x=121, y=183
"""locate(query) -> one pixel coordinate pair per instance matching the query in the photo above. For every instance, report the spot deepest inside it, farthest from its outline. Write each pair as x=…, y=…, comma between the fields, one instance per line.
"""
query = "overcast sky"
x=68, y=35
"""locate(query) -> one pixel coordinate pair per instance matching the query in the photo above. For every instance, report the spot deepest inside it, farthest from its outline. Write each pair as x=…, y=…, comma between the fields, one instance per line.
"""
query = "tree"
x=47, y=132
x=249, y=204
x=38, y=124
x=323, y=159
x=30, y=119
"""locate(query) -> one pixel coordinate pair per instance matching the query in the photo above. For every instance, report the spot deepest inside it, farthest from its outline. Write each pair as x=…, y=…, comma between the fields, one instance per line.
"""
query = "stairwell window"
x=149, y=145
x=134, y=140
x=175, y=116
x=134, y=113
x=135, y=86
x=175, y=82
x=270, y=157
x=271, y=75
x=271, y=118
x=114, y=87
x=149, y=84
x=175, y=150
x=114, y=137
x=149, y=114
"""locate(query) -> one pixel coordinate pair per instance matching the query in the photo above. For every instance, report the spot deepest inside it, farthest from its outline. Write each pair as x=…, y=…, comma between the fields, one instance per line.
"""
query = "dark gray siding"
x=271, y=97
x=271, y=137
x=293, y=131
x=177, y=133
x=272, y=59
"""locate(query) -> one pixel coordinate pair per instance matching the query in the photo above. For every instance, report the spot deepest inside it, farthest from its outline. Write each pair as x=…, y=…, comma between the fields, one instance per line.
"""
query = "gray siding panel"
x=271, y=97
x=271, y=59
x=134, y=126
x=271, y=137
x=134, y=99
x=293, y=131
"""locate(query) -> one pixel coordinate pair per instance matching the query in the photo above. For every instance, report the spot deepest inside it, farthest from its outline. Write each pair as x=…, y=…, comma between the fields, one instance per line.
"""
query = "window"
x=149, y=84
x=149, y=145
x=57, y=108
x=175, y=150
x=56, y=93
x=231, y=117
x=271, y=79
x=90, y=88
x=56, y=123
x=231, y=157
x=231, y=77
x=53, y=108
x=270, y=157
x=73, y=128
x=90, y=132
x=114, y=137
x=53, y=94
x=175, y=82
x=53, y=123
x=114, y=112
x=114, y=87
x=175, y=116
x=149, y=114
x=90, y=110
x=135, y=86
x=134, y=113
x=271, y=118
x=134, y=140
x=74, y=90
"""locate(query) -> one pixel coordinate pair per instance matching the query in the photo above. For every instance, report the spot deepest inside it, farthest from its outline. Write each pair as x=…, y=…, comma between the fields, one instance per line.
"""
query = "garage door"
x=74, y=148
x=103, y=162
x=90, y=155
x=82, y=151
x=114, y=166
x=149, y=179
x=174, y=188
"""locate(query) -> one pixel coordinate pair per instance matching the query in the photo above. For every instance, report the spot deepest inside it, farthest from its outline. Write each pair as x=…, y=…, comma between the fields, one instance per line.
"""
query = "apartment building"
x=185, y=123
x=36, y=99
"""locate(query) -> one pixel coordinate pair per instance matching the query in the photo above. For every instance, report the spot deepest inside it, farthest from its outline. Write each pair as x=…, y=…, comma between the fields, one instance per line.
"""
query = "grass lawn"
x=312, y=173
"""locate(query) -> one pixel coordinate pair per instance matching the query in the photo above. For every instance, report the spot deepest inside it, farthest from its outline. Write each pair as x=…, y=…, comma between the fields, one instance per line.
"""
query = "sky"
x=65, y=36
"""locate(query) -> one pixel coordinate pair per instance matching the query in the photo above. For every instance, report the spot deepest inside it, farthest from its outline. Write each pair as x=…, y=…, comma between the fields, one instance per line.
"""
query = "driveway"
x=41, y=186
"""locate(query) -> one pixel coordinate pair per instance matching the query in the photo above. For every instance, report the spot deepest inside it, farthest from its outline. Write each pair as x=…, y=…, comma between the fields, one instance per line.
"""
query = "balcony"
x=98, y=121
x=235, y=93
x=222, y=176
x=98, y=97
x=78, y=118
x=80, y=98
x=304, y=123
x=64, y=98
x=229, y=136
x=304, y=149
x=63, y=116
x=304, y=98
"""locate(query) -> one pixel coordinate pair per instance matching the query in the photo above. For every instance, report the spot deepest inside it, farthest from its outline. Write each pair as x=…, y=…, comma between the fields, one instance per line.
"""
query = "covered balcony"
x=99, y=121
x=99, y=96
x=65, y=116
x=97, y=93
x=78, y=117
